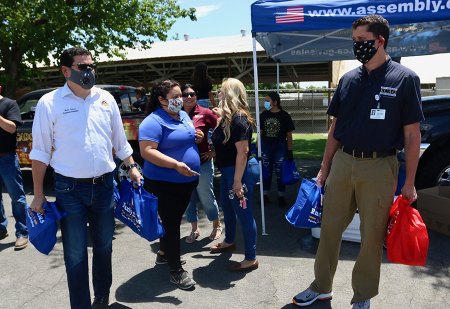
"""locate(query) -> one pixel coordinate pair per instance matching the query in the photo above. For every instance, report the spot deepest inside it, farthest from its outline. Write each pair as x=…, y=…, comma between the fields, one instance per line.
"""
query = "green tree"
x=30, y=30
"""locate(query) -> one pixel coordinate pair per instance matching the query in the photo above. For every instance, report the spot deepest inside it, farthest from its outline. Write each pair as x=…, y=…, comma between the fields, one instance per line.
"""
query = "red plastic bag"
x=406, y=235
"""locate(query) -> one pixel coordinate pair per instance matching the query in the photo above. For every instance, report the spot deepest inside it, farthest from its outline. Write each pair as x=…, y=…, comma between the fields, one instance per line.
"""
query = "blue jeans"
x=272, y=157
x=204, y=193
x=86, y=203
x=231, y=209
x=11, y=177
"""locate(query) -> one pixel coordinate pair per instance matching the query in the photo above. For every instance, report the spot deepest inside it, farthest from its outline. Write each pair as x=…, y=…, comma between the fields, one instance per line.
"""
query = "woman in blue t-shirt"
x=231, y=141
x=167, y=141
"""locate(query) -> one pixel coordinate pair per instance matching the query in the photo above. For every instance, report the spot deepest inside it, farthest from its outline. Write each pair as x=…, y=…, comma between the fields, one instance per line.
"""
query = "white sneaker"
x=362, y=305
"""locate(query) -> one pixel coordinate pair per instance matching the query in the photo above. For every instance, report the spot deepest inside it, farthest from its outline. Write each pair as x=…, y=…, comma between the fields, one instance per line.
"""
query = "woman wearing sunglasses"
x=204, y=119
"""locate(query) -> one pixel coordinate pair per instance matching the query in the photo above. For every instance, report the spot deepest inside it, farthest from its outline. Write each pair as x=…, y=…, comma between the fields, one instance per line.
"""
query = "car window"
x=28, y=105
x=124, y=98
x=435, y=105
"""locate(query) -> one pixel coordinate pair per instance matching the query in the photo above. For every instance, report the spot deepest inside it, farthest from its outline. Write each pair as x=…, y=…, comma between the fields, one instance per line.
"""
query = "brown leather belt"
x=368, y=154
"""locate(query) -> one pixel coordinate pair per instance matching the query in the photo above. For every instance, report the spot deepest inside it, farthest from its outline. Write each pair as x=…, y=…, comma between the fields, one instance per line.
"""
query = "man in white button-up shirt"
x=75, y=130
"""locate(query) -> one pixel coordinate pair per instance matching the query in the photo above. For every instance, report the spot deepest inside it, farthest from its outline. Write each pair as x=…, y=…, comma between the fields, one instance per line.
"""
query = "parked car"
x=125, y=97
x=434, y=162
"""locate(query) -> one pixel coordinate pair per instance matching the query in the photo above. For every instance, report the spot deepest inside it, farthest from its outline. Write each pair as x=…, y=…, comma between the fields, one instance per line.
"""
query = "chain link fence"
x=308, y=108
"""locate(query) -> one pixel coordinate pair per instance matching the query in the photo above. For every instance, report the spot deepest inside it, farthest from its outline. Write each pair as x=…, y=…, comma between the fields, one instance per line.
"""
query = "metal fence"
x=308, y=108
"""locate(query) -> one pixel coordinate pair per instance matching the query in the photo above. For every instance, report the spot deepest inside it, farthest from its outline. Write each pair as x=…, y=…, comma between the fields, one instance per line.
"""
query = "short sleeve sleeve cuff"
x=41, y=156
x=125, y=152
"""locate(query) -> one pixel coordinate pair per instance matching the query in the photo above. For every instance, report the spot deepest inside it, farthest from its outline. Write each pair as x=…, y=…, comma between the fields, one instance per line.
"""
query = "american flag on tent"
x=290, y=15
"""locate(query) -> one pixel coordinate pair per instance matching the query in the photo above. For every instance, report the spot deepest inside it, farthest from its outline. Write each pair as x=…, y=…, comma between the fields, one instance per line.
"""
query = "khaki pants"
x=367, y=185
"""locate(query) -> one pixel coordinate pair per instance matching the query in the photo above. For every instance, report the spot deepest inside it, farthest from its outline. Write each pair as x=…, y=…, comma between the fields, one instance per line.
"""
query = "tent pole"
x=258, y=134
x=278, y=77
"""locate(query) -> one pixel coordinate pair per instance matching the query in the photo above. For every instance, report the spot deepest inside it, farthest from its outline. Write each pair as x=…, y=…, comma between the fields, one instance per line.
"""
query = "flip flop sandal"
x=216, y=232
x=192, y=237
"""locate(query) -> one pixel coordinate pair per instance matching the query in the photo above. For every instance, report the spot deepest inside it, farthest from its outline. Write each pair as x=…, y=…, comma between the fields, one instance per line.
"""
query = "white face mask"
x=175, y=105
x=267, y=105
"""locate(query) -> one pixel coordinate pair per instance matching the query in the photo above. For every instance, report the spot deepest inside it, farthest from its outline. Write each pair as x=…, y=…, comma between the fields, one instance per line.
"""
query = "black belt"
x=93, y=180
x=368, y=154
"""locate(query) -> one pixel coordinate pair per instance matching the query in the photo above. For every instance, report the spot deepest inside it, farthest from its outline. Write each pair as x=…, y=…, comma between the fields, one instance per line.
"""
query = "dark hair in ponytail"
x=161, y=89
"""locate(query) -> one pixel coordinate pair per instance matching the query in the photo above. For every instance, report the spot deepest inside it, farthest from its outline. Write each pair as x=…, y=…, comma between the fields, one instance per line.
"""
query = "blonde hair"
x=233, y=101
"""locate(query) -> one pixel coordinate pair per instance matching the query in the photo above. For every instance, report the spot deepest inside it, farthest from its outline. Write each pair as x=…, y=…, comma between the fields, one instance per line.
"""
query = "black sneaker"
x=161, y=260
x=181, y=279
x=3, y=234
x=281, y=202
x=100, y=302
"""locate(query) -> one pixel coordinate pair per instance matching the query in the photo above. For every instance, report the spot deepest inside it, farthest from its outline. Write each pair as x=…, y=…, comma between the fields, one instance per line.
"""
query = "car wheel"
x=435, y=171
x=122, y=171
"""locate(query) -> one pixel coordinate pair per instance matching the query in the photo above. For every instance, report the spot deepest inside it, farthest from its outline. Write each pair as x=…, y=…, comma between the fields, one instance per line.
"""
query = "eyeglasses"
x=188, y=94
x=85, y=66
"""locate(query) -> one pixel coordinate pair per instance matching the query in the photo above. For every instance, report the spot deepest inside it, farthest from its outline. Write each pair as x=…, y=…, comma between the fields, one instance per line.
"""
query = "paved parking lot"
x=31, y=280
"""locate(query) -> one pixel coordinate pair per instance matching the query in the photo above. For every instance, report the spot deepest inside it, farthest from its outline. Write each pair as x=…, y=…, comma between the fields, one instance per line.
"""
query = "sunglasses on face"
x=85, y=66
x=188, y=94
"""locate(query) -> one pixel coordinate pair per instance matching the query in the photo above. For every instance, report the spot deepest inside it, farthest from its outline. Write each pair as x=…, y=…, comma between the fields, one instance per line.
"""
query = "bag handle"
x=54, y=209
x=316, y=195
x=137, y=191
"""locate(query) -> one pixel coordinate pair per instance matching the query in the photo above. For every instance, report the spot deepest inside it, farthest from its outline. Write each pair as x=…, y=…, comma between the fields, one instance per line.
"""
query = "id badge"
x=377, y=113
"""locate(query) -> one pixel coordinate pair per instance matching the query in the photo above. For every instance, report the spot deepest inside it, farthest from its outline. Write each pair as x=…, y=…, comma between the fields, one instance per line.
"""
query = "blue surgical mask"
x=267, y=105
x=175, y=105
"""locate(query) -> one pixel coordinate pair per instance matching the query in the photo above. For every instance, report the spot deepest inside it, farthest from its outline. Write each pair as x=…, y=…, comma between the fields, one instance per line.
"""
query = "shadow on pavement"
x=116, y=305
x=147, y=286
x=7, y=245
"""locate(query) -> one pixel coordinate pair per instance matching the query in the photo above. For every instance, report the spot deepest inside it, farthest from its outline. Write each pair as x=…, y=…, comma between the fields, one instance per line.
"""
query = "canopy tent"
x=320, y=30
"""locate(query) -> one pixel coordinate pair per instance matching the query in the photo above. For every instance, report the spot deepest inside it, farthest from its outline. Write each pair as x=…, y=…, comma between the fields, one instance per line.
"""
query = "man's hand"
x=135, y=176
x=37, y=203
x=322, y=175
x=289, y=155
x=409, y=192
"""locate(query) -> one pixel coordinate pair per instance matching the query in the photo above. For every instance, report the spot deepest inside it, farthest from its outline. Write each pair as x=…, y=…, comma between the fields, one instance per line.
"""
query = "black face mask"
x=364, y=50
x=86, y=79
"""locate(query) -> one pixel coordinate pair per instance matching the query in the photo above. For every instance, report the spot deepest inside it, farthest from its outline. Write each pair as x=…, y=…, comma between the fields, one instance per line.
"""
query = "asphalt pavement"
x=31, y=280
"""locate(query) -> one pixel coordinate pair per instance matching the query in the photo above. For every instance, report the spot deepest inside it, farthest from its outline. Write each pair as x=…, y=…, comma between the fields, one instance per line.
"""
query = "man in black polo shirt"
x=10, y=174
x=376, y=110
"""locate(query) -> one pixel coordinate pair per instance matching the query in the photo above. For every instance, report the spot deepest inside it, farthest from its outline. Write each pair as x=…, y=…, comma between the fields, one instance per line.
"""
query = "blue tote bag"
x=253, y=170
x=289, y=173
x=42, y=228
x=307, y=210
x=138, y=209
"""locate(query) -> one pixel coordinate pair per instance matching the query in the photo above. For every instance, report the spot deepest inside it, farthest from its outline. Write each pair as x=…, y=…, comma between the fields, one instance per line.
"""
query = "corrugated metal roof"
x=191, y=47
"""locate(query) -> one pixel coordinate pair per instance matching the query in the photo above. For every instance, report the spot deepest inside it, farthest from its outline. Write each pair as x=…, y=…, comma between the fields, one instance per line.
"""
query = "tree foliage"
x=30, y=30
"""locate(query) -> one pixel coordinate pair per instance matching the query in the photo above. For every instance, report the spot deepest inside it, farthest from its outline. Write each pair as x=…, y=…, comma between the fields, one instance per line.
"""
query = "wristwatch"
x=129, y=167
